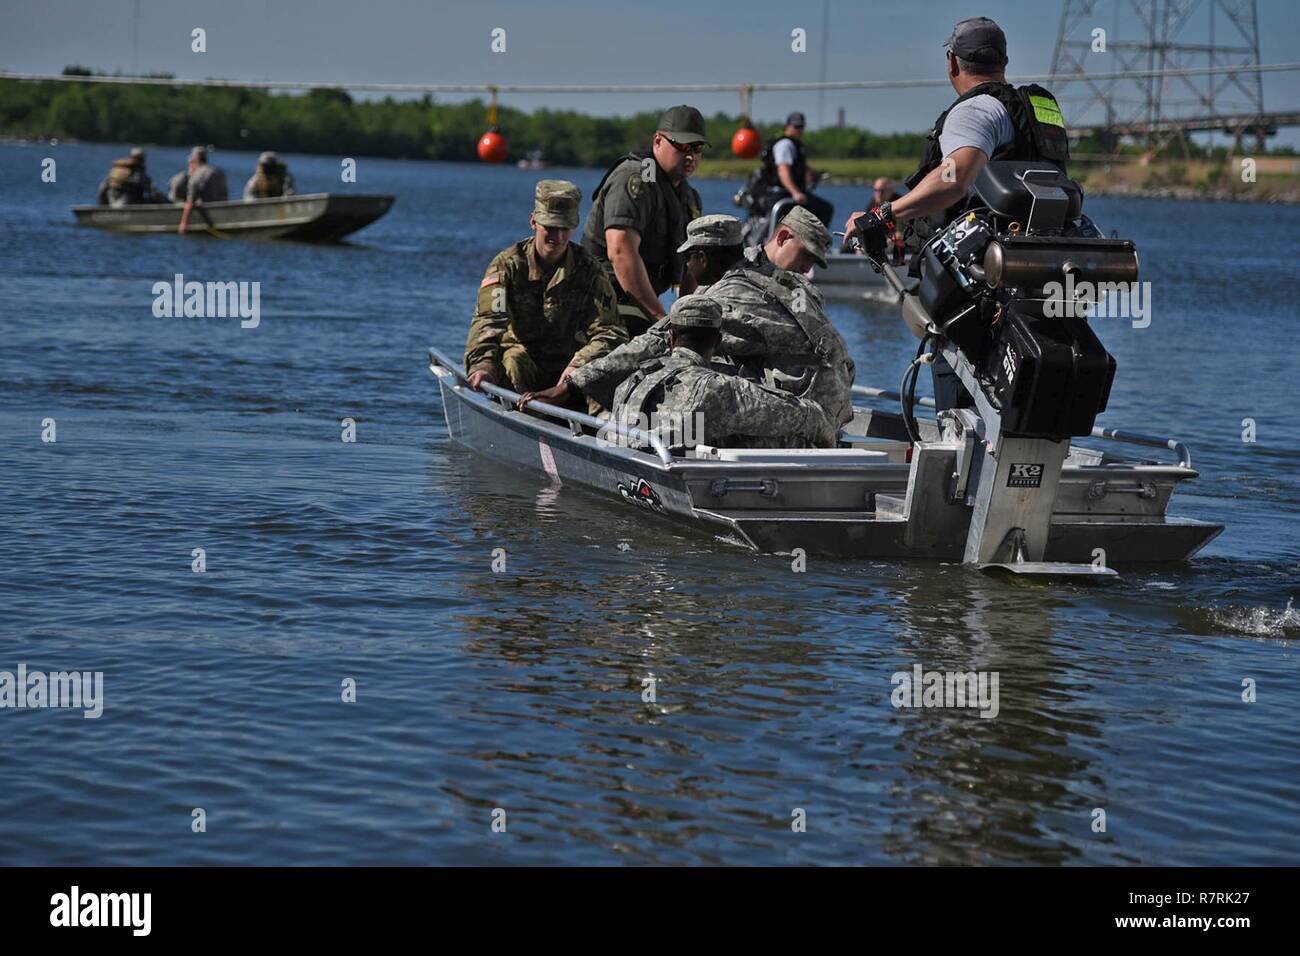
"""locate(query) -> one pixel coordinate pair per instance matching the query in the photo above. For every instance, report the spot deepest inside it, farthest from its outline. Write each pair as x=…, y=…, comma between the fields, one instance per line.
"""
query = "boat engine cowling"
x=995, y=284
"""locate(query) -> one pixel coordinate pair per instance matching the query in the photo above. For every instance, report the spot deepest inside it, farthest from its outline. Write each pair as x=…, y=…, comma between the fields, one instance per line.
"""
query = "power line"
x=630, y=88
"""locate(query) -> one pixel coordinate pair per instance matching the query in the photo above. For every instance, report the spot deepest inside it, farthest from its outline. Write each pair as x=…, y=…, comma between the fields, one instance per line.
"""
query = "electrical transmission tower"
x=1106, y=36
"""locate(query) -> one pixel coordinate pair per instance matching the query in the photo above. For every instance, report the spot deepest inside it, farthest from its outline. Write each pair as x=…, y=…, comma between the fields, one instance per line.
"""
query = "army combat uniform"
x=530, y=324
x=774, y=327
x=637, y=194
x=734, y=412
x=127, y=184
x=271, y=180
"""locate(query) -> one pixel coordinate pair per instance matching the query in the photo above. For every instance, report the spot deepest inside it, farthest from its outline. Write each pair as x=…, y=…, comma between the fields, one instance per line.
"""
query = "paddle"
x=208, y=219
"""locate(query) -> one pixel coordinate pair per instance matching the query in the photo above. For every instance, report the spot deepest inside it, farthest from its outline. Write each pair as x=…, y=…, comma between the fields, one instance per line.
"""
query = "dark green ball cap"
x=684, y=124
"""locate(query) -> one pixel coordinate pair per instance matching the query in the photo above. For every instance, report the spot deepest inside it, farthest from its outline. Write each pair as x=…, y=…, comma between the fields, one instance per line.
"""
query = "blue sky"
x=614, y=41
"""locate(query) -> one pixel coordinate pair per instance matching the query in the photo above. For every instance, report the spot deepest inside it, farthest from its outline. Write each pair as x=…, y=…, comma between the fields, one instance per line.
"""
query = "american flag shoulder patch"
x=492, y=278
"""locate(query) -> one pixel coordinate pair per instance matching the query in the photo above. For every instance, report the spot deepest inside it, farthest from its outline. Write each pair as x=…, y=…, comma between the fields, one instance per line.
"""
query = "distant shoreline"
x=1164, y=180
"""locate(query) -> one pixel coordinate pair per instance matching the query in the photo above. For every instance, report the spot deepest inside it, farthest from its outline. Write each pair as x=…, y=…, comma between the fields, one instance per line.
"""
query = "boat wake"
x=1258, y=621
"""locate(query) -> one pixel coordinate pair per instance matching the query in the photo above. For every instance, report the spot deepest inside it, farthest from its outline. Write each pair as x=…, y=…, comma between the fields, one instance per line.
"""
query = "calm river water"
x=522, y=690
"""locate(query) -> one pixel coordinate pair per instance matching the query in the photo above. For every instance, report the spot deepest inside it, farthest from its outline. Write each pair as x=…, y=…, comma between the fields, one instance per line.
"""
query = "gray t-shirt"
x=207, y=183
x=981, y=121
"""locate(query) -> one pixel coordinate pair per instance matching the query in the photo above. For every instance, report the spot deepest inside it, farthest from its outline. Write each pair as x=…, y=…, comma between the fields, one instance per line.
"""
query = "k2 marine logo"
x=1025, y=476
x=641, y=494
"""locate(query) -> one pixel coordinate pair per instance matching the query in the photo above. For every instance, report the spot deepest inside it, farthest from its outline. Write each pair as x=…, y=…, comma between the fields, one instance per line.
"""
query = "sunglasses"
x=693, y=148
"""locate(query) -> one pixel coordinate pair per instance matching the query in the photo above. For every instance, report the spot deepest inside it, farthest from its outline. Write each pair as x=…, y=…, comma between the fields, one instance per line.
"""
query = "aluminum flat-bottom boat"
x=878, y=495
x=314, y=217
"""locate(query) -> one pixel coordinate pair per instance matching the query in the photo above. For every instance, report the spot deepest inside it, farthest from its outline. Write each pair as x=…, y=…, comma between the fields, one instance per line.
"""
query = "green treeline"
x=332, y=122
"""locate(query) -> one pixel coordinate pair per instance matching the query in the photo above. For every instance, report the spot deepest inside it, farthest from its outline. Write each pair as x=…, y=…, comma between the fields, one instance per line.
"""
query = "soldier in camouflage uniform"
x=639, y=214
x=545, y=307
x=677, y=387
x=127, y=183
x=774, y=325
x=270, y=180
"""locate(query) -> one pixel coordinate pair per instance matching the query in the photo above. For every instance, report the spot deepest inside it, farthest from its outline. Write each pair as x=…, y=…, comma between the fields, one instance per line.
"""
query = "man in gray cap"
x=774, y=324
x=990, y=120
x=786, y=171
x=676, y=390
x=203, y=183
x=639, y=214
x=271, y=179
x=545, y=306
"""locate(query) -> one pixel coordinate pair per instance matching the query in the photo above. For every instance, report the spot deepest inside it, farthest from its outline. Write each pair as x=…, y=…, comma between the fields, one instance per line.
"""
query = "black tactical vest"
x=798, y=169
x=1040, y=136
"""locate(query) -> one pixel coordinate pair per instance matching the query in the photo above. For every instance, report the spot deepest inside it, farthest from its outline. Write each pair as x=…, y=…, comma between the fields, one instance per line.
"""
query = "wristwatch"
x=886, y=212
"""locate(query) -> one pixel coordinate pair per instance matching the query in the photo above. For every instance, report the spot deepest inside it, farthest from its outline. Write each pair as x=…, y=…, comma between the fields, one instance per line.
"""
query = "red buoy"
x=493, y=147
x=746, y=143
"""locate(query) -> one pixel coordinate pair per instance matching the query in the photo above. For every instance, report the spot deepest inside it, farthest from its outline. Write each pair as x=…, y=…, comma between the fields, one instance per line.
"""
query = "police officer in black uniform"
x=990, y=119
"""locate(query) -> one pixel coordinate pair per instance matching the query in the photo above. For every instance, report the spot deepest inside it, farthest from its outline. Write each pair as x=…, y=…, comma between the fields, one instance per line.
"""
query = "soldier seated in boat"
x=680, y=390
x=203, y=183
x=545, y=305
x=774, y=325
x=271, y=180
x=127, y=183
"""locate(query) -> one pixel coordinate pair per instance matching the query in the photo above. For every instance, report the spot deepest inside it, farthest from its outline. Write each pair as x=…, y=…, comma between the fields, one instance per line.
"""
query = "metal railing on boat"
x=1106, y=434
x=573, y=418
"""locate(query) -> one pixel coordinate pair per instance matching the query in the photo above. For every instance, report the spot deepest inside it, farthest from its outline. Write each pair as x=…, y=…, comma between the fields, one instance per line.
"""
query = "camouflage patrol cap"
x=696, y=312
x=683, y=124
x=555, y=203
x=715, y=230
x=810, y=231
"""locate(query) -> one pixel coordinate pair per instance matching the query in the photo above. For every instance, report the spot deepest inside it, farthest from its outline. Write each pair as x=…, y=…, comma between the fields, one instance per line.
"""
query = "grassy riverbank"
x=1276, y=178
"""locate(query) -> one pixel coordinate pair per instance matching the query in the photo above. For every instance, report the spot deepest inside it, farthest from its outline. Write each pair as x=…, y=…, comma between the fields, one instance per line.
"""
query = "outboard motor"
x=992, y=300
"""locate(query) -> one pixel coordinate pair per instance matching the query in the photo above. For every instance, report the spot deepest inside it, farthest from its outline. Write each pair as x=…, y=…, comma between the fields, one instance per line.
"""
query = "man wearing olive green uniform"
x=639, y=214
x=545, y=306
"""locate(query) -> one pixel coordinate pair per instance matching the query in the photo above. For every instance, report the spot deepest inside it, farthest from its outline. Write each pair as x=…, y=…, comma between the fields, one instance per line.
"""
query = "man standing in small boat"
x=639, y=214
x=271, y=179
x=203, y=183
x=774, y=324
x=545, y=305
x=679, y=388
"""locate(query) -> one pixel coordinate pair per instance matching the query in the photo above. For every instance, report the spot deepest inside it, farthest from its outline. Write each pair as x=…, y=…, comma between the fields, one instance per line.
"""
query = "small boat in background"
x=533, y=161
x=314, y=217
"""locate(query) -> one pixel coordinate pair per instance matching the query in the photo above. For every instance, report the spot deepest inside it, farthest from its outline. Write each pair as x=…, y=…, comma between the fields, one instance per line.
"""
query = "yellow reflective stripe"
x=1047, y=111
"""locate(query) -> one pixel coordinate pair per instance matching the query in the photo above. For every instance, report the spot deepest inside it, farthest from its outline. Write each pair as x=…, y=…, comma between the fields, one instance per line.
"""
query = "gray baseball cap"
x=137, y=152
x=716, y=230
x=810, y=231
x=696, y=312
x=268, y=159
x=979, y=40
x=684, y=124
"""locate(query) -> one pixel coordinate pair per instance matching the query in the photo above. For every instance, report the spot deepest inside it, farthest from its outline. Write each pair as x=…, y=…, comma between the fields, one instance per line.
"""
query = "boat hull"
x=831, y=503
x=315, y=217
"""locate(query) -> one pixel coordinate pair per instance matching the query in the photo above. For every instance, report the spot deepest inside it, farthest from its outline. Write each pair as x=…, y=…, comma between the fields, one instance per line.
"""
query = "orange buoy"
x=493, y=147
x=746, y=143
